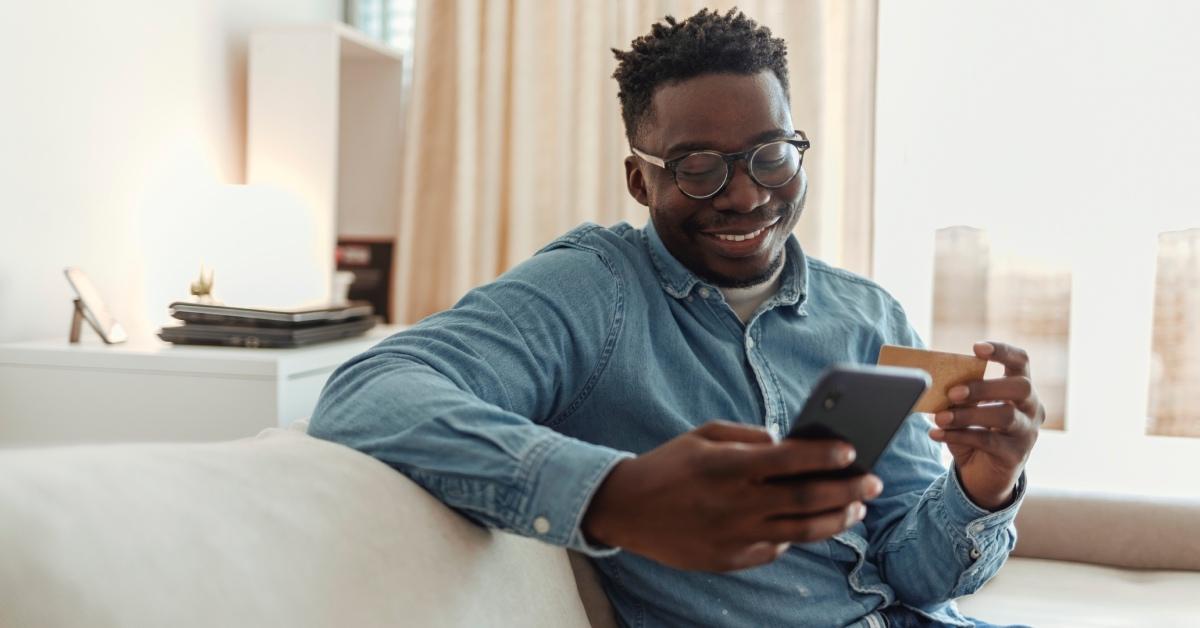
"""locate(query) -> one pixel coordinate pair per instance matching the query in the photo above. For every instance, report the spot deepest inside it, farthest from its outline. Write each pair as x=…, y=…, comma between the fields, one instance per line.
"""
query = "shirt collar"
x=679, y=282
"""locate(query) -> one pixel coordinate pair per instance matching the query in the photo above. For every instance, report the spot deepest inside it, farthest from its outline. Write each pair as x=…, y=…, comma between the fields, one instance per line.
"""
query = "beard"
x=722, y=281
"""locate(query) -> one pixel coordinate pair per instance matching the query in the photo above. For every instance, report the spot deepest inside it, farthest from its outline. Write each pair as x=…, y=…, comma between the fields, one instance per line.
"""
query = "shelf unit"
x=325, y=124
x=53, y=392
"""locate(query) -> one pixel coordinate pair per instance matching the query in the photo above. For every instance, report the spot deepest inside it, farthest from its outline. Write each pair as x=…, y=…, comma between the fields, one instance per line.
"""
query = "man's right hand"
x=719, y=498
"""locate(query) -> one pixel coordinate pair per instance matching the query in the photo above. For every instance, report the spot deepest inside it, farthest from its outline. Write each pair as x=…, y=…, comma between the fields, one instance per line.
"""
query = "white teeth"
x=739, y=238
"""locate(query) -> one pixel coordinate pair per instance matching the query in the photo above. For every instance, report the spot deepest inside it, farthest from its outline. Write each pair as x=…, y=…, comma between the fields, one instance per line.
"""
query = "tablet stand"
x=77, y=322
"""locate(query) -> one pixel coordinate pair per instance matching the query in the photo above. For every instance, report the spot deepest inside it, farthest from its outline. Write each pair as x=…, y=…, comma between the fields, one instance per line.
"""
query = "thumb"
x=737, y=432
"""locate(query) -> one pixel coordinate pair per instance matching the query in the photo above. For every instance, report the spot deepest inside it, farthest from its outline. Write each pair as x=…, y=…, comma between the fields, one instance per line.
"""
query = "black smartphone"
x=863, y=405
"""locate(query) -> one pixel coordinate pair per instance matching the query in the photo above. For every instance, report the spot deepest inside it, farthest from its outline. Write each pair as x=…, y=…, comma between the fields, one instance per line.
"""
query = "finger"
x=728, y=431
x=1014, y=359
x=988, y=441
x=1018, y=389
x=814, y=527
x=1000, y=416
x=808, y=497
x=795, y=456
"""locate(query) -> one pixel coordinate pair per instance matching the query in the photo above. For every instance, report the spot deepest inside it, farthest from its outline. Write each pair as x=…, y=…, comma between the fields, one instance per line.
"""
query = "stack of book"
x=207, y=324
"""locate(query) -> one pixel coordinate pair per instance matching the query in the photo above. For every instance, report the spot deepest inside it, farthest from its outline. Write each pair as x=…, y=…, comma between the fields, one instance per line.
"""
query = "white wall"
x=1047, y=122
x=103, y=106
x=1069, y=131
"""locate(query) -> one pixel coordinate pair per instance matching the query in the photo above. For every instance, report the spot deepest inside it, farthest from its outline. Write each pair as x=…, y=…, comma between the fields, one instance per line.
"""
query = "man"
x=572, y=400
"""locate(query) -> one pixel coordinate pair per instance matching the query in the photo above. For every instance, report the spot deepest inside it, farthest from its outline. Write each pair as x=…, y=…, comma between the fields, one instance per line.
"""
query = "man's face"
x=728, y=113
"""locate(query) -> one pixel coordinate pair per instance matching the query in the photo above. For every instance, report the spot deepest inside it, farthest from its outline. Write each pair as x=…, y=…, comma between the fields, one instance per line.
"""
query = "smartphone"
x=863, y=405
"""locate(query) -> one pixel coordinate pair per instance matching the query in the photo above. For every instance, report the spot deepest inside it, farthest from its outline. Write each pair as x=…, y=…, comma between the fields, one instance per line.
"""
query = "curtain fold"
x=514, y=133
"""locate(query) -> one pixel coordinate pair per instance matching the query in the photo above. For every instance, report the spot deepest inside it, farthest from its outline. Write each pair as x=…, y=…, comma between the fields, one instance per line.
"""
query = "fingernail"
x=874, y=486
x=943, y=418
x=781, y=548
x=858, y=511
x=958, y=393
x=984, y=348
x=937, y=434
x=847, y=455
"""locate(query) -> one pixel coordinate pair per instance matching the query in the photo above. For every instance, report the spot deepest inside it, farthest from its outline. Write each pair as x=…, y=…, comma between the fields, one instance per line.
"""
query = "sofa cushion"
x=281, y=530
x=1060, y=594
x=1117, y=530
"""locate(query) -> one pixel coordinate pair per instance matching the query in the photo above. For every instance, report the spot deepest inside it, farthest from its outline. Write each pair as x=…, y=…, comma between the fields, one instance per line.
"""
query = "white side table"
x=52, y=392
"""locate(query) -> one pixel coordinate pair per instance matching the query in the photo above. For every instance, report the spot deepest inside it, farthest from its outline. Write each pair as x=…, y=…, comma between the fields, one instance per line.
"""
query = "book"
x=268, y=337
x=300, y=316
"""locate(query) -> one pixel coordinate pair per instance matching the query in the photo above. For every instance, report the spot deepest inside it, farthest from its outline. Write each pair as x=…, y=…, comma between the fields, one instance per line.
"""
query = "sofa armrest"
x=1120, y=530
x=279, y=530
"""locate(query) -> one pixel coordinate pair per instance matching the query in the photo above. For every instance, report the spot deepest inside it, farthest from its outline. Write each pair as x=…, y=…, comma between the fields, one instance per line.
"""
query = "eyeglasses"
x=703, y=174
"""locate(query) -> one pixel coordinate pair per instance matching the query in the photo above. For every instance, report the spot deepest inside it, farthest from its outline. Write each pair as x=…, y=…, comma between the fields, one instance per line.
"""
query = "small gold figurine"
x=201, y=289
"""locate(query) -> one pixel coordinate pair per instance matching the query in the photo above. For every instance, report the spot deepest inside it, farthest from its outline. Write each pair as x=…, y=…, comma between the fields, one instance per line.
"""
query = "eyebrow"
x=676, y=150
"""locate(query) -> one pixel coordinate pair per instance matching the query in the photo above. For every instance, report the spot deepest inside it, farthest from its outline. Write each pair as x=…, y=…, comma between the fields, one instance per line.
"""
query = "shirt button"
x=703, y=293
x=975, y=554
x=750, y=343
x=975, y=528
x=775, y=430
x=541, y=525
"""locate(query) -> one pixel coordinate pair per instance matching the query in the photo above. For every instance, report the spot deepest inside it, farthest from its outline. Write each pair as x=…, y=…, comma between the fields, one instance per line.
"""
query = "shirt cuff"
x=961, y=510
x=561, y=483
x=981, y=537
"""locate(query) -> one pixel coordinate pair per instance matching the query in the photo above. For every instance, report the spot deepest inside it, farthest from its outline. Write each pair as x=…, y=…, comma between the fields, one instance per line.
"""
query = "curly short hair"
x=705, y=43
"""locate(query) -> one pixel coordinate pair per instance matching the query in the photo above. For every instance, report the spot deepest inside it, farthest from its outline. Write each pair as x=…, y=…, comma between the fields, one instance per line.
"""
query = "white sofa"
x=287, y=530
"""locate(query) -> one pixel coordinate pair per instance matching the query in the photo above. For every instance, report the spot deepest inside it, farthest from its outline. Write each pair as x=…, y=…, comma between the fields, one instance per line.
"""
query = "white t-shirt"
x=745, y=301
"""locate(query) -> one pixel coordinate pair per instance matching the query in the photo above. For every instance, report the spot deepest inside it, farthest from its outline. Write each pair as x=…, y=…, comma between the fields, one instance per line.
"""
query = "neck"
x=745, y=301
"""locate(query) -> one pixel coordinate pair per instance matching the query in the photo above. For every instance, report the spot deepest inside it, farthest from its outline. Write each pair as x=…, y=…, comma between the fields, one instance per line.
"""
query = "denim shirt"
x=513, y=406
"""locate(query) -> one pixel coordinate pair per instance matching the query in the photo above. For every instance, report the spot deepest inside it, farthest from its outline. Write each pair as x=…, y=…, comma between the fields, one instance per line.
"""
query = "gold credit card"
x=946, y=369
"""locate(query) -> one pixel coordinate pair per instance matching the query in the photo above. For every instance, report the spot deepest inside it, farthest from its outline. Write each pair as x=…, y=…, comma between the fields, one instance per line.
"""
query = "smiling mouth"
x=740, y=244
x=730, y=237
x=741, y=237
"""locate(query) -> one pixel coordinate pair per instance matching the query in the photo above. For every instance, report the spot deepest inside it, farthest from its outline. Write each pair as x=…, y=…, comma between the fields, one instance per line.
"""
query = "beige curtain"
x=514, y=132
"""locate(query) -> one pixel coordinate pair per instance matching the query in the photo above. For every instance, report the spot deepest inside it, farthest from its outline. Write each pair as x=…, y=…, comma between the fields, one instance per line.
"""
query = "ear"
x=635, y=181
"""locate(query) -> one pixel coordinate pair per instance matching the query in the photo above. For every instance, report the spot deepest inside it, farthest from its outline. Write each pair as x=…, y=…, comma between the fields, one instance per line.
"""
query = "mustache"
x=725, y=219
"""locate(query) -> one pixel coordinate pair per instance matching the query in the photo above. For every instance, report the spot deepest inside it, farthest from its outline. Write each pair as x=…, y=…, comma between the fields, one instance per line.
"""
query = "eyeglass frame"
x=801, y=143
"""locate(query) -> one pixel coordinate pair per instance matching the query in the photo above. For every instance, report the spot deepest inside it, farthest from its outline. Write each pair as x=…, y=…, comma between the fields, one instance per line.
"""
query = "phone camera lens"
x=832, y=400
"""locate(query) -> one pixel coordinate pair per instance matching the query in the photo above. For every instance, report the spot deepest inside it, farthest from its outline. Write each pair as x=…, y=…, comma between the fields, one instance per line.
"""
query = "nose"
x=741, y=193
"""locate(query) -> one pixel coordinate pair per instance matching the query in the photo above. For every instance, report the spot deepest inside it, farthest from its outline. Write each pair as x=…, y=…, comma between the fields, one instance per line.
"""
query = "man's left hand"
x=992, y=426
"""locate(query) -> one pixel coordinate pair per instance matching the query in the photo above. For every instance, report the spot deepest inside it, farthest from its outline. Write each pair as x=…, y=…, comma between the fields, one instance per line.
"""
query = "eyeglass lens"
x=771, y=165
